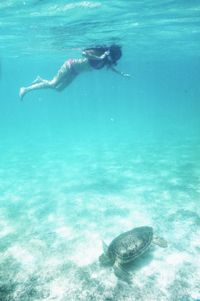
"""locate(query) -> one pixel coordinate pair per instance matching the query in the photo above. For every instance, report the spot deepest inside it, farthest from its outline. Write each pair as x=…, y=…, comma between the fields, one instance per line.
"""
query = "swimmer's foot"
x=37, y=80
x=22, y=92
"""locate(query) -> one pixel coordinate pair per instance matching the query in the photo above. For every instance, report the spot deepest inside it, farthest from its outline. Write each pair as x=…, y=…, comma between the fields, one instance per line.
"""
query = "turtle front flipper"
x=121, y=272
x=105, y=247
x=104, y=258
x=161, y=242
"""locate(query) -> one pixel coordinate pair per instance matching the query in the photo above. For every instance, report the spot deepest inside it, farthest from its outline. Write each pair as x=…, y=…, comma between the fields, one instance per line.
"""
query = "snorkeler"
x=93, y=58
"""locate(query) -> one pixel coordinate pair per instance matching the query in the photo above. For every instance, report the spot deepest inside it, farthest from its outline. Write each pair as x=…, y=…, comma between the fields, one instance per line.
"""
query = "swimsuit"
x=98, y=51
x=97, y=64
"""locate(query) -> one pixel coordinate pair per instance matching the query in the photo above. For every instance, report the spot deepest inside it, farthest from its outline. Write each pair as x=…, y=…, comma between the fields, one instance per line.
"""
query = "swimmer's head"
x=115, y=54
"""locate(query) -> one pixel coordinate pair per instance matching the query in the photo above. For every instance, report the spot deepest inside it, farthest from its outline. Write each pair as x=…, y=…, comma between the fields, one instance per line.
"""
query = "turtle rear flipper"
x=161, y=242
x=121, y=272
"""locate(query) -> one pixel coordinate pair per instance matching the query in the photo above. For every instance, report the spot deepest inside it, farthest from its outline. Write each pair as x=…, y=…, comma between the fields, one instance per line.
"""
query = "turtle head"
x=161, y=242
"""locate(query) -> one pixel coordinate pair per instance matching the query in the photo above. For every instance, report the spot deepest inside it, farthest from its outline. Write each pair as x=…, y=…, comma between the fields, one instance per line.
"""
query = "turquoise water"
x=104, y=156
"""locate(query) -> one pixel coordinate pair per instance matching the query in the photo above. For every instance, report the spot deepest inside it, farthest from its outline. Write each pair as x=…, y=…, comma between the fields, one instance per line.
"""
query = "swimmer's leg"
x=38, y=79
x=63, y=78
x=42, y=85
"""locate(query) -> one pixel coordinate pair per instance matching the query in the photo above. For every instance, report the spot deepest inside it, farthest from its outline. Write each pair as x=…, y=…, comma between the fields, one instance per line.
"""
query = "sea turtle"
x=126, y=247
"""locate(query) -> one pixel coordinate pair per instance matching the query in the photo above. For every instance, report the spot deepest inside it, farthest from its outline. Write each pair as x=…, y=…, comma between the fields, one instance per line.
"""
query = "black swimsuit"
x=97, y=64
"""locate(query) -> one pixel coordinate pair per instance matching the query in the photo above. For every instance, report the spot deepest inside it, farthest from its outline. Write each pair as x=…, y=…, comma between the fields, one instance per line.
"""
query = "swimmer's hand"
x=90, y=54
x=125, y=74
x=106, y=53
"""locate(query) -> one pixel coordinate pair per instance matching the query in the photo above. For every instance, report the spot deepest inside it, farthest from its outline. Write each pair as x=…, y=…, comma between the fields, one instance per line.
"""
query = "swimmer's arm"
x=90, y=55
x=120, y=72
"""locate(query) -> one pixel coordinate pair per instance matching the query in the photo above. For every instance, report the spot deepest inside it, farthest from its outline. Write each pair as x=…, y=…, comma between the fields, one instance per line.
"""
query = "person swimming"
x=94, y=58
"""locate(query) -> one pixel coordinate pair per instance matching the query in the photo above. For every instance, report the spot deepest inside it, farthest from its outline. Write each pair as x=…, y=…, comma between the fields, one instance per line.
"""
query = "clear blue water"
x=106, y=155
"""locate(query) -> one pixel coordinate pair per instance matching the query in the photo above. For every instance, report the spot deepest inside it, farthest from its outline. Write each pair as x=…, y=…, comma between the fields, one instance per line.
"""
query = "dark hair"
x=115, y=53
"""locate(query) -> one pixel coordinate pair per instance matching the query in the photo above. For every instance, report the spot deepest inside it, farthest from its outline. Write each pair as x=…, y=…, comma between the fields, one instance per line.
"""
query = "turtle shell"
x=131, y=244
